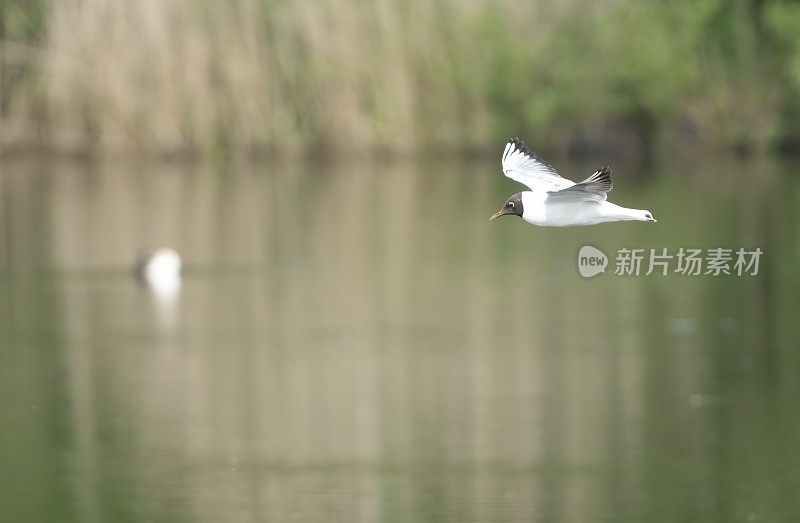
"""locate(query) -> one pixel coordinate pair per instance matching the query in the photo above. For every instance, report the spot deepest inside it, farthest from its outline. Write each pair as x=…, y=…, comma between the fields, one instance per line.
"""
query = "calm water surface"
x=360, y=343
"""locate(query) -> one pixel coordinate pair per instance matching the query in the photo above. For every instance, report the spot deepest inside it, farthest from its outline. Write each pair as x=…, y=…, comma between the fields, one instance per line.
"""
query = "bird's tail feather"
x=623, y=213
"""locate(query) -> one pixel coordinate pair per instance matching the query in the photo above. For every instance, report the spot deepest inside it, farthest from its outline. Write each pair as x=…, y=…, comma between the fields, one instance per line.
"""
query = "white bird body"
x=554, y=201
x=541, y=210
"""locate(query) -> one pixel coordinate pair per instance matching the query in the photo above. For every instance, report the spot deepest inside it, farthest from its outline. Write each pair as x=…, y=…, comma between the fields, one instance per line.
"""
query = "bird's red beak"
x=496, y=215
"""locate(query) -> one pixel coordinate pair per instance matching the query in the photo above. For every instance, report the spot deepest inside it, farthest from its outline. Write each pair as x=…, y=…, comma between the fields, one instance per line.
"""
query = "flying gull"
x=555, y=201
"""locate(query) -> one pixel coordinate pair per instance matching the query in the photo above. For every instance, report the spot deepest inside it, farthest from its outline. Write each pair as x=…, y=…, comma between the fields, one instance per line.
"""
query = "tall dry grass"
x=189, y=75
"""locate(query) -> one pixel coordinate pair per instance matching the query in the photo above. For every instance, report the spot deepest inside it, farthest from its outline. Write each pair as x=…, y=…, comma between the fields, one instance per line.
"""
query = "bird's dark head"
x=513, y=206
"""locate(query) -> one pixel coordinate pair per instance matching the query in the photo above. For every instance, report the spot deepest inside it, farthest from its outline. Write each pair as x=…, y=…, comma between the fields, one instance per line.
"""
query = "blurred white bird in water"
x=555, y=201
x=160, y=270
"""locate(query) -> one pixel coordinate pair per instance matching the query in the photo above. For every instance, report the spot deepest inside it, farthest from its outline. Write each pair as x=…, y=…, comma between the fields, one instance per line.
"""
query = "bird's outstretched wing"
x=593, y=188
x=522, y=165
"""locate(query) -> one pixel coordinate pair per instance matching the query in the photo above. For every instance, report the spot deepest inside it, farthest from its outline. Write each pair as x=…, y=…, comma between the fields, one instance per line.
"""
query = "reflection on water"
x=360, y=342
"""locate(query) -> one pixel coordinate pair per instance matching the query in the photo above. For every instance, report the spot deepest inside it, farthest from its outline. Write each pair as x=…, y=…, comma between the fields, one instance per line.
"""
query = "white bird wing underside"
x=523, y=166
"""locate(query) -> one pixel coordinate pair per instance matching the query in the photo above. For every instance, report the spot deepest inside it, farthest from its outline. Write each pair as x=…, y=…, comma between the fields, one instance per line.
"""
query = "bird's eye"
x=511, y=204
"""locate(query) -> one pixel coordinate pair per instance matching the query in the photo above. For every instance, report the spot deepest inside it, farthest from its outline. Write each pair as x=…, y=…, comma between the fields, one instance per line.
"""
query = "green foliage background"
x=407, y=76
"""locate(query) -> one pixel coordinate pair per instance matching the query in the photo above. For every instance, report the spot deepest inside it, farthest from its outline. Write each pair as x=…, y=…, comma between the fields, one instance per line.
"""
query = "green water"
x=359, y=343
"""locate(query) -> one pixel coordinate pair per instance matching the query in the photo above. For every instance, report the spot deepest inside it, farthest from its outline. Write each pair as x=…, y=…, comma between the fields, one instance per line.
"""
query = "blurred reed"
x=188, y=76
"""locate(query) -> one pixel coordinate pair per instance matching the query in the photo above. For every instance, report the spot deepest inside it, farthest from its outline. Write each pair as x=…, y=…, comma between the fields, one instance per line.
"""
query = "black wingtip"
x=520, y=146
x=599, y=181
